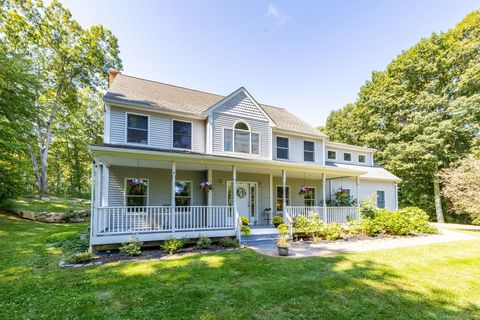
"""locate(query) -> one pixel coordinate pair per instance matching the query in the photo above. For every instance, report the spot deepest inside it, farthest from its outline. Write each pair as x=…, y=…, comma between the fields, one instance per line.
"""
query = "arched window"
x=240, y=139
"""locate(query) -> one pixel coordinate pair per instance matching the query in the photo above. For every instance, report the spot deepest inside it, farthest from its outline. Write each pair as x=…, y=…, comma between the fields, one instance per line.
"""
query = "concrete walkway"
x=299, y=250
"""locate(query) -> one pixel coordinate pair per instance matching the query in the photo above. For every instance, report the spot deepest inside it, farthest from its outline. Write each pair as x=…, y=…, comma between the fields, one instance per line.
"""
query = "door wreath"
x=241, y=192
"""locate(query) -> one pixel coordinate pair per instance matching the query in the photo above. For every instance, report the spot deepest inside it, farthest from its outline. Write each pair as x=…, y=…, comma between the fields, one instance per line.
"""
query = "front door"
x=243, y=200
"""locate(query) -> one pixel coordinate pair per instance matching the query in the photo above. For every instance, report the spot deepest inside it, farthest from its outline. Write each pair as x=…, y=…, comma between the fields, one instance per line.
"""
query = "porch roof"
x=128, y=155
x=372, y=173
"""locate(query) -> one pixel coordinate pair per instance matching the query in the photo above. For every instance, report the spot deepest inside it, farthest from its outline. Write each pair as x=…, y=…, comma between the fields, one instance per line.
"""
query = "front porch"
x=169, y=202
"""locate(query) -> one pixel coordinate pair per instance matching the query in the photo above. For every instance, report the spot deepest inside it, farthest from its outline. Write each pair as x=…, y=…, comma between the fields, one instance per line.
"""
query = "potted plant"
x=305, y=191
x=282, y=243
x=277, y=220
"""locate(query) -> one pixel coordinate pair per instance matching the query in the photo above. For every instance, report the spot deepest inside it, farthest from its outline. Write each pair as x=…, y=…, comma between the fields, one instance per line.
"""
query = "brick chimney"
x=112, y=73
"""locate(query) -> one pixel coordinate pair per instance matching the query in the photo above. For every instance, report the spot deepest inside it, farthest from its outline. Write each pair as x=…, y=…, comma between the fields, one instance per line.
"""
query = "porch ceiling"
x=149, y=159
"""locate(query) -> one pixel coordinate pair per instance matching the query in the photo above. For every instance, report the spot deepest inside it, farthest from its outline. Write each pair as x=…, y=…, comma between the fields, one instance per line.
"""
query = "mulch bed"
x=110, y=256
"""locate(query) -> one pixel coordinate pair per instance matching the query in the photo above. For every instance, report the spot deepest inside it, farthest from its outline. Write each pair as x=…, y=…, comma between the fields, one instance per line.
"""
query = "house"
x=162, y=141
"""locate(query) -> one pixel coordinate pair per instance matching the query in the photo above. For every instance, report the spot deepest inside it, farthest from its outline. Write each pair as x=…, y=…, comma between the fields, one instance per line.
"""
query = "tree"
x=461, y=186
x=18, y=91
x=422, y=113
x=69, y=59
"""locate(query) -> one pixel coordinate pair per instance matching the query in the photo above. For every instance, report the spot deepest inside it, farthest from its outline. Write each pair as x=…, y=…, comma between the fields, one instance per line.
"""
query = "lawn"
x=428, y=282
x=53, y=204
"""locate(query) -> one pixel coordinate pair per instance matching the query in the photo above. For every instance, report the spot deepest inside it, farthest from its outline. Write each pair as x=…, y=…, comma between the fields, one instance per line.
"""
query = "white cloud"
x=280, y=17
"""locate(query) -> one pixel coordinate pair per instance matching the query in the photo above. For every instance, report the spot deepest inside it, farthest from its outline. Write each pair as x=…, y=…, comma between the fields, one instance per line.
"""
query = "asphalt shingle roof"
x=169, y=98
x=376, y=173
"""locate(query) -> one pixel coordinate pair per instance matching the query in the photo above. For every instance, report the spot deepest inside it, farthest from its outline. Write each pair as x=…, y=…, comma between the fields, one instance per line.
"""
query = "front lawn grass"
x=52, y=204
x=438, y=281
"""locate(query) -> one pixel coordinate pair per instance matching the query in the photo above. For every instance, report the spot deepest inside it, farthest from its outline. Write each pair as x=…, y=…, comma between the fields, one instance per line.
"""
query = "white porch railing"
x=329, y=215
x=147, y=219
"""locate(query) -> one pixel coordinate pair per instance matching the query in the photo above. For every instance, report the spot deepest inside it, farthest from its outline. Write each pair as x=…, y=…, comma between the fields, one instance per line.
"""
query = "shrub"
x=245, y=221
x=172, y=245
x=300, y=223
x=132, y=248
x=282, y=242
x=68, y=241
x=71, y=216
x=228, y=242
x=333, y=231
x=367, y=209
x=283, y=229
x=277, y=220
x=245, y=230
x=418, y=220
x=80, y=257
x=204, y=242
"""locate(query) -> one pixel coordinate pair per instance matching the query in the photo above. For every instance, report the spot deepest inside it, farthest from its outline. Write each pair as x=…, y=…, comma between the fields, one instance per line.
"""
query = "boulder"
x=29, y=215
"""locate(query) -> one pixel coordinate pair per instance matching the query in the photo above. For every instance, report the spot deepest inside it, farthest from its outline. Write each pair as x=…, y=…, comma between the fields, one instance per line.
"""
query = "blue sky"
x=310, y=57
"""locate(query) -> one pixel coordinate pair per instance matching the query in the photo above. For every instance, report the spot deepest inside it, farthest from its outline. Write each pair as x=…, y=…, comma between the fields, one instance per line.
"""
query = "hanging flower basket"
x=138, y=186
x=305, y=191
x=206, y=186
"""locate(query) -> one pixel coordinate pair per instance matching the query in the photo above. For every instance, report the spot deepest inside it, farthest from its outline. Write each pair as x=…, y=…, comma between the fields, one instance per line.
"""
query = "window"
x=380, y=199
x=362, y=158
x=241, y=140
x=332, y=155
x=137, y=129
x=282, y=148
x=136, y=192
x=347, y=156
x=309, y=200
x=182, y=134
x=308, y=151
x=280, y=197
x=183, y=193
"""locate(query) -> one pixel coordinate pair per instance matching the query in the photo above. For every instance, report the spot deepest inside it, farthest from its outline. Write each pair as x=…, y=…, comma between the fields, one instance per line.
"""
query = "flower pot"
x=283, y=251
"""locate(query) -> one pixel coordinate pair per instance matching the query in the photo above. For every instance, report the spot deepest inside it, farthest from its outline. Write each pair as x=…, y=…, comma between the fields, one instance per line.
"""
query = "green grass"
x=427, y=282
x=53, y=205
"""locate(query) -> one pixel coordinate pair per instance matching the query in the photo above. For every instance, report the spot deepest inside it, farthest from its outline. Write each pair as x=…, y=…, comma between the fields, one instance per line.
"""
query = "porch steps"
x=261, y=236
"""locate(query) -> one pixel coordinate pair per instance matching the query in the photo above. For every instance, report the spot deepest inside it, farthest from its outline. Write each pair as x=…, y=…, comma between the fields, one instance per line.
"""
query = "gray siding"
x=160, y=129
x=242, y=107
x=355, y=155
x=295, y=186
x=159, y=191
x=221, y=121
x=296, y=148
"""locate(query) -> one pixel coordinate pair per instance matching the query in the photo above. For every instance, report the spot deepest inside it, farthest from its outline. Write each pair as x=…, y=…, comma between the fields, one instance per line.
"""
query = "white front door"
x=243, y=200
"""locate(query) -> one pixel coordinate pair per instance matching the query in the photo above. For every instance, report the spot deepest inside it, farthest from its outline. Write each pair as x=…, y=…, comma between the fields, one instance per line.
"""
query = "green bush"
x=228, y=242
x=80, y=257
x=418, y=219
x=245, y=230
x=245, y=221
x=283, y=229
x=367, y=209
x=204, y=242
x=172, y=245
x=132, y=248
x=68, y=241
x=315, y=228
x=300, y=224
x=333, y=231
x=277, y=220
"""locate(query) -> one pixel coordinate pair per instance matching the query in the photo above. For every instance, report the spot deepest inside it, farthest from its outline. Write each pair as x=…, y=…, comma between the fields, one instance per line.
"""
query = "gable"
x=241, y=104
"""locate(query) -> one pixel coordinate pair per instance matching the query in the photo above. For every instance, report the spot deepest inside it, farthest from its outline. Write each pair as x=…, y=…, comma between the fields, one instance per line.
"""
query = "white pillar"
x=174, y=174
x=284, y=191
x=324, y=195
x=209, y=193
x=270, y=203
x=358, y=191
x=93, y=213
x=234, y=188
x=105, y=179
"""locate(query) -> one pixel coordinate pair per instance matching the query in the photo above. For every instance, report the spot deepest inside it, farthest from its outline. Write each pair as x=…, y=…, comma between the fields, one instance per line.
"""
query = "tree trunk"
x=438, y=202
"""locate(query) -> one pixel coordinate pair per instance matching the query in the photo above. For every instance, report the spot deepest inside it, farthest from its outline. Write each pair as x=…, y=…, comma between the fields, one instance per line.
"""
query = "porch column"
x=234, y=188
x=324, y=196
x=93, y=213
x=209, y=193
x=270, y=202
x=105, y=180
x=172, y=199
x=284, y=191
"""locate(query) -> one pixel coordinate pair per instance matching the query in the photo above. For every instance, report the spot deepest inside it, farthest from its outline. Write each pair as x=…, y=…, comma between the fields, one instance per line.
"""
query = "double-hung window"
x=309, y=199
x=183, y=193
x=280, y=197
x=240, y=139
x=347, y=156
x=137, y=129
x=136, y=192
x=182, y=134
x=282, y=148
x=380, y=199
x=331, y=155
x=308, y=151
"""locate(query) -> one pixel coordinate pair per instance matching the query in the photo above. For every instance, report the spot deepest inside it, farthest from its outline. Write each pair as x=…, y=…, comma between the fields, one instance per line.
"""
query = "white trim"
x=344, y=153
x=276, y=148
x=125, y=189
x=396, y=196
x=191, y=134
x=126, y=128
x=106, y=181
x=191, y=190
x=210, y=193
x=313, y=151
x=209, y=136
x=142, y=108
x=233, y=140
x=328, y=158
x=324, y=155
x=106, y=124
x=349, y=146
x=300, y=134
